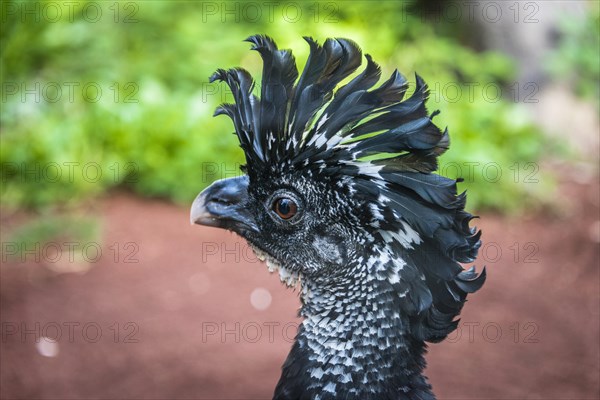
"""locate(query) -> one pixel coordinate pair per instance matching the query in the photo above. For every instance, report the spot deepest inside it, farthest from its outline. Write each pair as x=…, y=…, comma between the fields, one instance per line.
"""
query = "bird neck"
x=353, y=342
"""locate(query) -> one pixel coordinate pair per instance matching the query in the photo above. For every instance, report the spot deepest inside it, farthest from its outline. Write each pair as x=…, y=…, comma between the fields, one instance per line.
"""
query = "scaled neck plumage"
x=354, y=341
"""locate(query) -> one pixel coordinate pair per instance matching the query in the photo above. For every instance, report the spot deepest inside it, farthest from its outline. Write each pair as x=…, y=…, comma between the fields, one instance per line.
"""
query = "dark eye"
x=285, y=208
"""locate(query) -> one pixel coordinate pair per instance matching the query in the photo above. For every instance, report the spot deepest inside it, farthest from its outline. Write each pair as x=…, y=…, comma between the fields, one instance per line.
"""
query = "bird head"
x=334, y=176
x=302, y=222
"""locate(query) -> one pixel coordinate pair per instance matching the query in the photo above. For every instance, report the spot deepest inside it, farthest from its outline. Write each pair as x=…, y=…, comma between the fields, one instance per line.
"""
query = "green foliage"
x=151, y=129
x=577, y=59
x=75, y=230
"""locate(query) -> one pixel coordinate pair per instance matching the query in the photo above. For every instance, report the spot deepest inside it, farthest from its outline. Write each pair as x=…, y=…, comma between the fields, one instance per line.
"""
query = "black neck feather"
x=354, y=343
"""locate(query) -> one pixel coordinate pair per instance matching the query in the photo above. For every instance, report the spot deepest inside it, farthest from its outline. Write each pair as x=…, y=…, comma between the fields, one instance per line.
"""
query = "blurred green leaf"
x=131, y=98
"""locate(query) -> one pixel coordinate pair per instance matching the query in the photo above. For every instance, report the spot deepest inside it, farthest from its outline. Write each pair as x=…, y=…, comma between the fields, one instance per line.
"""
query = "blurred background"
x=107, y=135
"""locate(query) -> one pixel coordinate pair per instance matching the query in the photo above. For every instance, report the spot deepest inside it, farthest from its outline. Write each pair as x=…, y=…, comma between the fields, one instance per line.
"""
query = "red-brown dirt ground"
x=179, y=323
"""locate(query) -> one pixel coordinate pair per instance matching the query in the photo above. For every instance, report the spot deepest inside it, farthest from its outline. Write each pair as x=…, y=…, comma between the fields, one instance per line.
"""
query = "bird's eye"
x=284, y=207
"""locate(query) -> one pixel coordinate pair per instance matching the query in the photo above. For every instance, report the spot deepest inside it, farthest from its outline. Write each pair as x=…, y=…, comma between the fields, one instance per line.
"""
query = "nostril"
x=220, y=200
x=224, y=194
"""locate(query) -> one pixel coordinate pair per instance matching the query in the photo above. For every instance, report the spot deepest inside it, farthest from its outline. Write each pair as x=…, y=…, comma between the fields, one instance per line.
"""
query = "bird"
x=339, y=196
